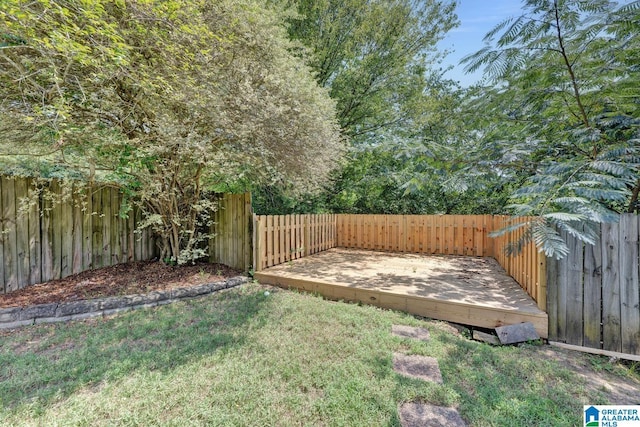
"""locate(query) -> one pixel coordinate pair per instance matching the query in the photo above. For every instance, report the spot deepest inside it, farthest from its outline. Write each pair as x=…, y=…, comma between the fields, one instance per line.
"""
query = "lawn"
x=245, y=358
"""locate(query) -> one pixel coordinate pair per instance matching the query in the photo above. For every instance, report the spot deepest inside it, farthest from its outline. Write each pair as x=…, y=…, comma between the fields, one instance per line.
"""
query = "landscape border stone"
x=13, y=317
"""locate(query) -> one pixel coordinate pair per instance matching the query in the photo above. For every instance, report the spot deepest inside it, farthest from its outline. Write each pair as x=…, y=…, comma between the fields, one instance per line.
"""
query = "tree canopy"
x=564, y=102
x=167, y=99
x=379, y=61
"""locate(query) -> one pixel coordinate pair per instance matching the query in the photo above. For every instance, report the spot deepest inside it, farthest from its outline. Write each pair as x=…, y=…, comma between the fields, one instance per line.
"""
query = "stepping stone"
x=410, y=332
x=423, y=415
x=420, y=367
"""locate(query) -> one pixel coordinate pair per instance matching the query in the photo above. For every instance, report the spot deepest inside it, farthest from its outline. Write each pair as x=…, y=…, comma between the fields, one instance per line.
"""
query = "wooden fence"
x=528, y=267
x=282, y=238
x=447, y=235
x=231, y=244
x=430, y=234
x=49, y=240
x=594, y=293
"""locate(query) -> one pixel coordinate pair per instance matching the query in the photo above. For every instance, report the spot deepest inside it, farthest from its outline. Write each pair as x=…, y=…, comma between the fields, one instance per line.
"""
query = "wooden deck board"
x=469, y=290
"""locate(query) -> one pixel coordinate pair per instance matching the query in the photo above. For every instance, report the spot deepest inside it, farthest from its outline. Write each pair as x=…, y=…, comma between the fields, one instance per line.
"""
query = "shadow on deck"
x=468, y=290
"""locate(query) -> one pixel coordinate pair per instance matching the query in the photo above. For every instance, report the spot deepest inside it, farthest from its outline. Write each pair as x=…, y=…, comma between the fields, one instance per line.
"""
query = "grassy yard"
x=248, y=359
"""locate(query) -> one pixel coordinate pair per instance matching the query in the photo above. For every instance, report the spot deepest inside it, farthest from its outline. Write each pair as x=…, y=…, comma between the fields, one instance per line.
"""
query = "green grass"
x=241, y=358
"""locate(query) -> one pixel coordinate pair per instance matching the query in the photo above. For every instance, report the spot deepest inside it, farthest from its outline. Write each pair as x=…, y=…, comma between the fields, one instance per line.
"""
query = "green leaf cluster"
x=167, y=99
x=564, y=103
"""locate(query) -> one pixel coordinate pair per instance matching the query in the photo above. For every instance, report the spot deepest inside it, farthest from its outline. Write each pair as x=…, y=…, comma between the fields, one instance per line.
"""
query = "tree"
x=167, y=99
x=565, y=103
x=373, y=55
x=375, y=58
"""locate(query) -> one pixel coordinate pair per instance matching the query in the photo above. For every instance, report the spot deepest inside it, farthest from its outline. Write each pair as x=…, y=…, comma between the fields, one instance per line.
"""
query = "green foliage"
x=565, y=104
x=166, y=99
x=375, y=58
x=372, y=55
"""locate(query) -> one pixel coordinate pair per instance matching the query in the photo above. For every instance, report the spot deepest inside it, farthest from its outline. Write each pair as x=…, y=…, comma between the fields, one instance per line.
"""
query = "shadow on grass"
x=38, y=364
x=511, y=386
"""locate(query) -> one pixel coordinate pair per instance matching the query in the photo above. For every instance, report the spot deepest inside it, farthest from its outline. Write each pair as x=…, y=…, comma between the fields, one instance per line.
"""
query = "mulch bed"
x=121, y=279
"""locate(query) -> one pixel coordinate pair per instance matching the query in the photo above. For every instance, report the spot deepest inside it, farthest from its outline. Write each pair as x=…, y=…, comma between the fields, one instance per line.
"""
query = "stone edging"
x=13, y=317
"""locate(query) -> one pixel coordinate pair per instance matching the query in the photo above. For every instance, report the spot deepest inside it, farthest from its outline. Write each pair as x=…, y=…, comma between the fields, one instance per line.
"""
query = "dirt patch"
x=120, y=279
x=617, y=389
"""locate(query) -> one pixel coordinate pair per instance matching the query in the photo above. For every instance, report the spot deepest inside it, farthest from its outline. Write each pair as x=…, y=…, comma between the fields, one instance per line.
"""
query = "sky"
x=476, y=18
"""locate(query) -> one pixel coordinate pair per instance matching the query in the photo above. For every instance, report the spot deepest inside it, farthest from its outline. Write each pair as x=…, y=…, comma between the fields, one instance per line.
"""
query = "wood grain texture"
x=473, y=291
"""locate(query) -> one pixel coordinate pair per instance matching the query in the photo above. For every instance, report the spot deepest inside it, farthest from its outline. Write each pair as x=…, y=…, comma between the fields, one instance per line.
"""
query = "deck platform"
x=468, y=290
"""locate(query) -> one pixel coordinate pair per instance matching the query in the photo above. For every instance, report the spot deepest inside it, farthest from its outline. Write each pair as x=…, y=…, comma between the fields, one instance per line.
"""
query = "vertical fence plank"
x=9, y=238
x=35, y=237
x=263, y=242
x=553, y=285
x=77, y=237
x=466, y=220
x=87, y=230
x=47, y=240
x=269, y=238
x=22, y=232
x=57, y=231
x=629, y=289
x=592, y=274
x=96, y=226
x=563, y=280
x=541, y=295
x=277, y=240
x=611, y=294
x=116, y=248
x=66, y=230
x=574, y=291
x=287, y=238
x=479, y=235
x=123, y=224
x=106, y=226
x=340, y=230
x=131, y=226
x=248, y=231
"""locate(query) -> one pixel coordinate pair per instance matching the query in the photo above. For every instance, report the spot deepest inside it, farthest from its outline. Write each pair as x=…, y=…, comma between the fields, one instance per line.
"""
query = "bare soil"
x=121, y=279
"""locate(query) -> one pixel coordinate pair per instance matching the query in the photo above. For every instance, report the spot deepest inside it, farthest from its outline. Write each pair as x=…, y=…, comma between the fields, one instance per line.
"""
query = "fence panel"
x=432, y=234
x=594, y=294
x=82, y=229
x=231, y=244
x=49, y=239
x=528, y=267
x=282, y=238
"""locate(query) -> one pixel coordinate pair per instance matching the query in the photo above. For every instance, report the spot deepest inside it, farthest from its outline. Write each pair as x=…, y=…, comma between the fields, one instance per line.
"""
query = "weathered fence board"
x=592, y=273
x=82, y=229
x=231, y=244
x=629, y=289
x=574, y=295
x=594, y=294
x=45, y=238
x=610, y=294
x=9, y=234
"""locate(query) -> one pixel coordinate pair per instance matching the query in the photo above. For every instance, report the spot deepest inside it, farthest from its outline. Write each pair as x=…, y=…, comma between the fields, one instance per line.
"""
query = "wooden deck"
x=469, y=290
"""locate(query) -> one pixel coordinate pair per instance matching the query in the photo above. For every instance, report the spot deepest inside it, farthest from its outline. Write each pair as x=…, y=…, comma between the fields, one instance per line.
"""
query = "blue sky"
x=476, y=18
